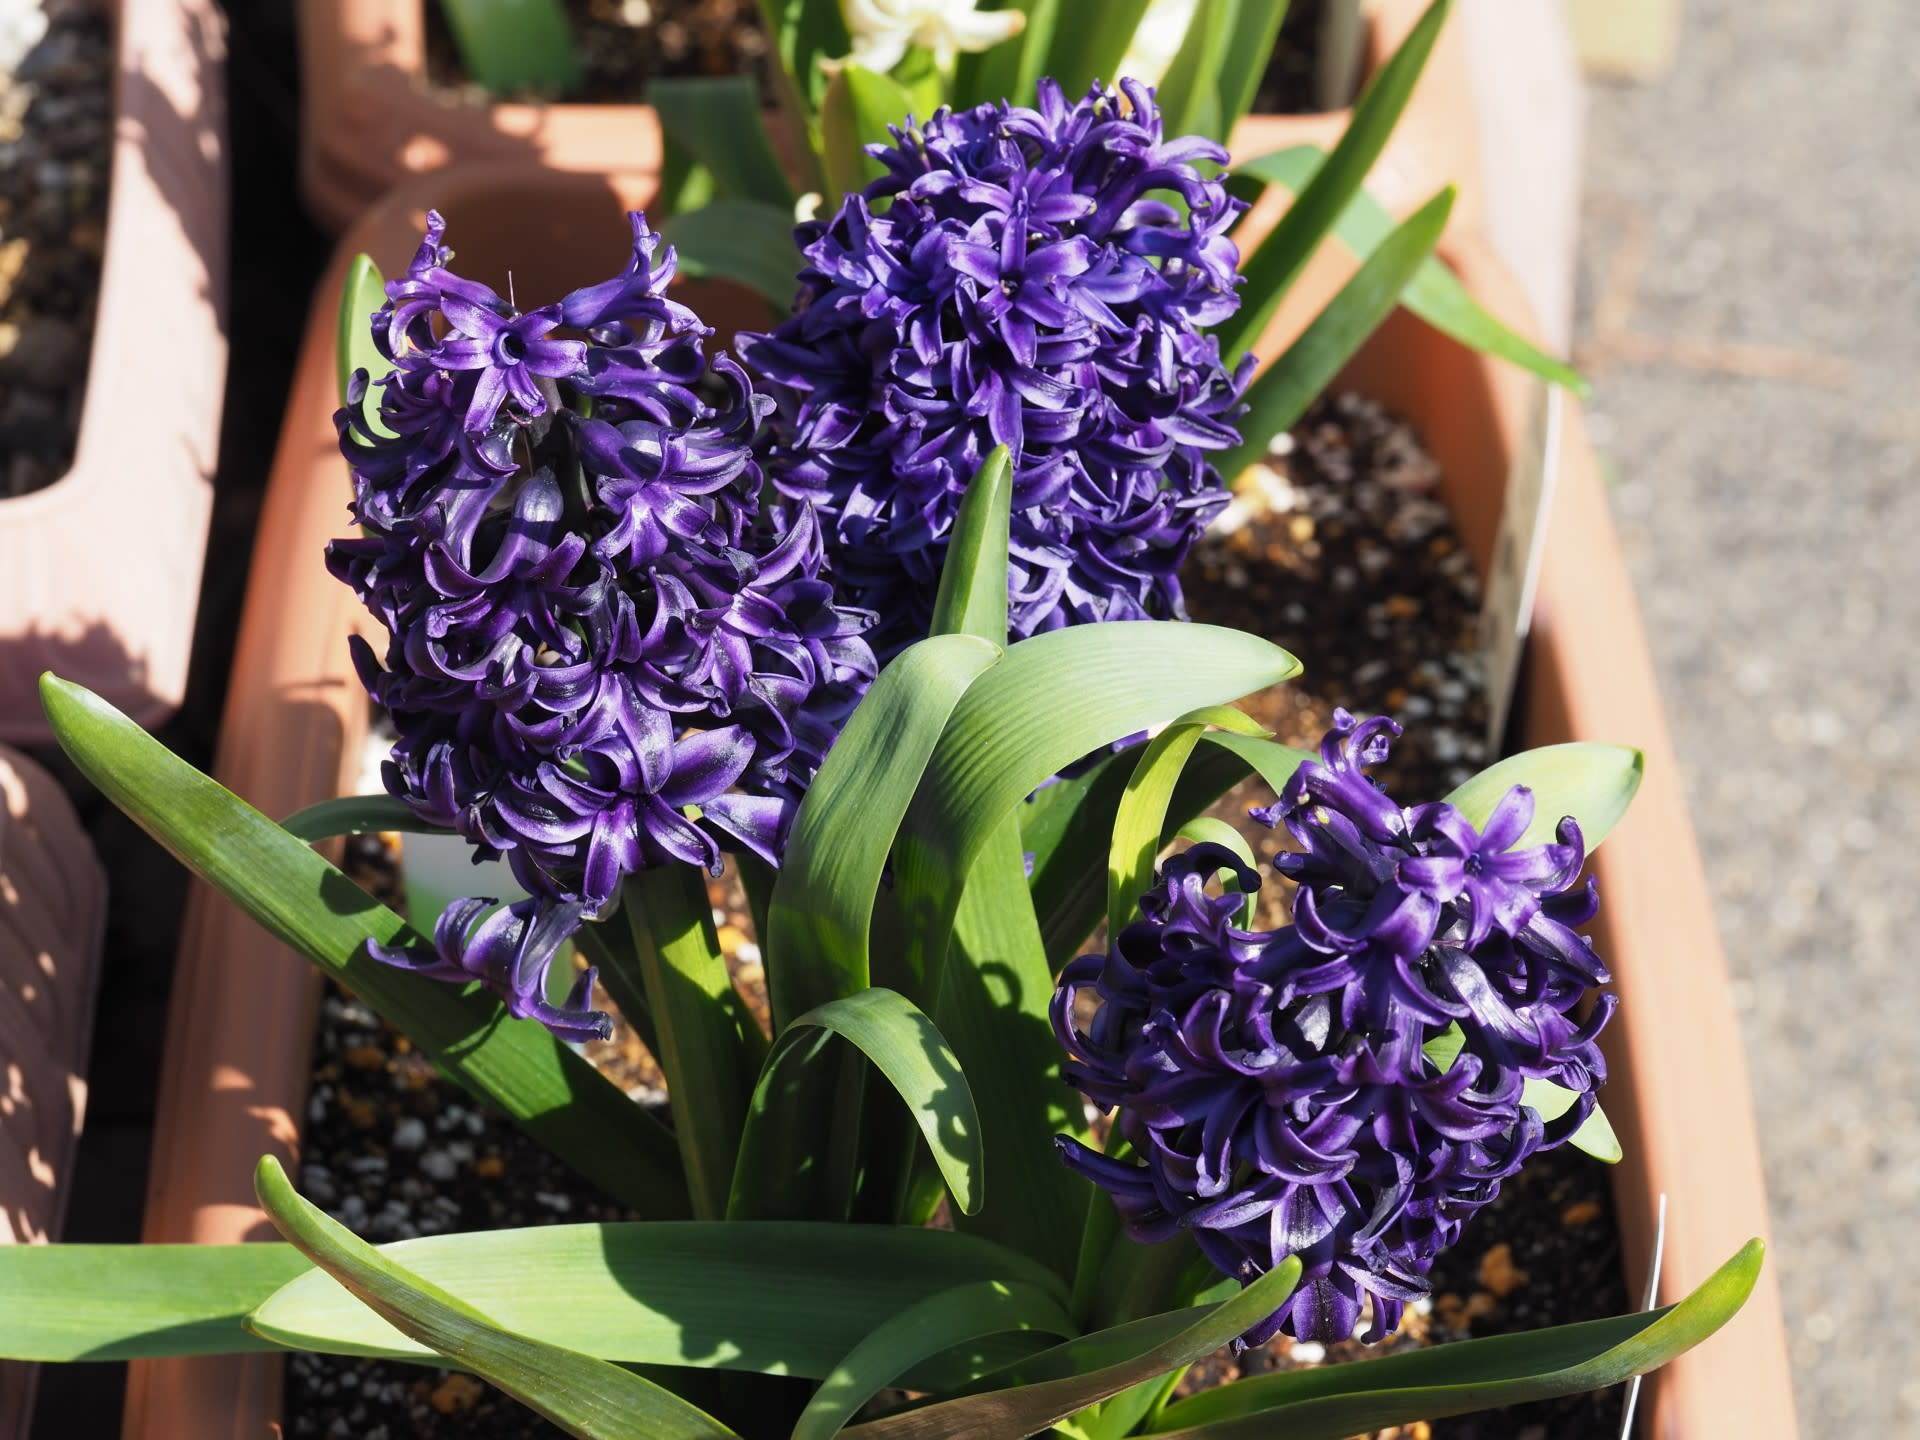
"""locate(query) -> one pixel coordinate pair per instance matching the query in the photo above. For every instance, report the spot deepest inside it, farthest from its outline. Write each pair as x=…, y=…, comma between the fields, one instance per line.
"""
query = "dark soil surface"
x=1343, y=552
x=56, y=150
x=622, y=44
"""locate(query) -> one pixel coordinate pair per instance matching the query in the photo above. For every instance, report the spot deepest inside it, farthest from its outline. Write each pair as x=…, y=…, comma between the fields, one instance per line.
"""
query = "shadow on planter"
x=100, y=571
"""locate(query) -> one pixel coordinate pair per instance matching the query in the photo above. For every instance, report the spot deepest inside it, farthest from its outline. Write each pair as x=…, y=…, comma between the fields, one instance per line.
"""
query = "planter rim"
x=95, y=570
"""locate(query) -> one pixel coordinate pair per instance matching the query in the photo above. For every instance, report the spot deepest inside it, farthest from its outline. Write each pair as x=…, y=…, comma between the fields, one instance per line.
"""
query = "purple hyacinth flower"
x=509, y=951
x=1276, y=1087
x=603, y=652
x=1015, y=278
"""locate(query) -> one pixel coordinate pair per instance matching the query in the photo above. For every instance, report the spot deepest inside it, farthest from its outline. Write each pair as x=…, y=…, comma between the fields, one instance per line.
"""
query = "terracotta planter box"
x=370, y=120
x=100, y=571
x=52, y=910
x=1678, y=1093
x=237, y=1058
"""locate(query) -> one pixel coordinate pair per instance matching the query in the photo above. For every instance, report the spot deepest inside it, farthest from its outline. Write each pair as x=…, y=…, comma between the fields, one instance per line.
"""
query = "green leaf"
x=1094, y=40
x=297, y=897
x=1593, y=783
x=364, y=293
x=921, y=1331
x=1058, y=1382
x=805, y=32
x=858, y=106
x=709, y=1042
x=993, y=1005
x=129, y=1302
x=1208, y=830
x=1051, y=700
x=1332, y=1401
x=972, y=599
x=1254, y=31
x=357, y=815
x=1012, y=69
x=1435, y=293
x=1066, y=826
x=585, y=1396
x=1595, y=1135
x=718, y=121
x=782, y=1298
x=1272, y=268
x=1188, y=94
x=781, y=1141
x=510, y=46
x=1142, y=816
x=609, y=947
x=746, y=241
x=822, y=910
x=1294, y=381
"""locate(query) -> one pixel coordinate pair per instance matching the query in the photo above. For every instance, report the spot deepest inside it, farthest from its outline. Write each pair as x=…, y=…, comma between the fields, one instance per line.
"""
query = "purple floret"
x=1276, y=1088
x=1019, y=277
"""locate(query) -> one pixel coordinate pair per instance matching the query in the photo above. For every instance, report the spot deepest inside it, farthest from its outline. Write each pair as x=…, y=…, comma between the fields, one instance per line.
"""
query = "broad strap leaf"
x=584, y=1396
x=297, y=897
x=921, y=1331
x=1593, y=783
x=1057, y=1382
x=1329, y=1402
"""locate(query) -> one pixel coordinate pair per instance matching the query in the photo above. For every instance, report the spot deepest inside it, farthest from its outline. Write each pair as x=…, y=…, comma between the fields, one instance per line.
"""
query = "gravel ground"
x=1750, y=287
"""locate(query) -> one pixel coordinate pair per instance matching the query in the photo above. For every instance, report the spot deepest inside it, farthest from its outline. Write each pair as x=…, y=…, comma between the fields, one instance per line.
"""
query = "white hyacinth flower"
x=1156, y=40
x=883, y=30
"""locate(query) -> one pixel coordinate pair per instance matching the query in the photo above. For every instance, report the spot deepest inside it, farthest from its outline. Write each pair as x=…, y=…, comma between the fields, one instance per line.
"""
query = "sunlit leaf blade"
x=822, y=909
x=1296, y=379
x=509, y=46
x=709, y=1043
x=586, y=1397
x=1093, y=41
x=1329, y=1402
x=1273, y=267
x=994, y=997
x=1142, y=816
x=972, y=599
x=746, y=241
x=127, y=1302
x=781, y=1298
x=1595, y=1135
x=805, y=32
x=1188, y=94
x=1076, y=1375
x=364, y=292
x=1015, y=727
x=297, y=897
x=1067, y=825
x=856, y=111
x=1011, y=69
x=1593, y=783
x=904, y=1046
x=357, y=815
x=936, y=1324
x=717, y=120
x=1435, y=293
x=1248, y=48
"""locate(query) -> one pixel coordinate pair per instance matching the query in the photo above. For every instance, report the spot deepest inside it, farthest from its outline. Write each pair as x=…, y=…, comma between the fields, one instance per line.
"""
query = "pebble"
x=409, y=1134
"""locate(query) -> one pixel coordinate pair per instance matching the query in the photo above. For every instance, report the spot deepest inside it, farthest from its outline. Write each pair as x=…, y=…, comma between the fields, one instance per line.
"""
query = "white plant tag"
x=1506, y=609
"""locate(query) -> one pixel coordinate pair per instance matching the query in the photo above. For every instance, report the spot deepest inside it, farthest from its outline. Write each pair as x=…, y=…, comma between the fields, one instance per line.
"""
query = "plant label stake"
x=1647, y=1299
x=1513, y=580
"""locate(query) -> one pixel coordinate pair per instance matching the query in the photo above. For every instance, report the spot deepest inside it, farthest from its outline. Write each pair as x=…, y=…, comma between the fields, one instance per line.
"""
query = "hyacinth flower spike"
x=1277, y=1089
x=1011, y=280
x=605, y=655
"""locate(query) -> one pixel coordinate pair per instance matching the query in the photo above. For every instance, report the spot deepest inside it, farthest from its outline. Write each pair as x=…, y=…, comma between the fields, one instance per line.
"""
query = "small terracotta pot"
x=370, y=119
x=52, y=914
x=1678, y=1093
x=100, y=571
